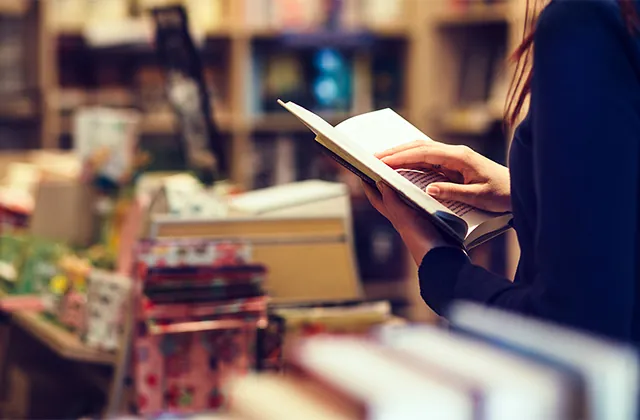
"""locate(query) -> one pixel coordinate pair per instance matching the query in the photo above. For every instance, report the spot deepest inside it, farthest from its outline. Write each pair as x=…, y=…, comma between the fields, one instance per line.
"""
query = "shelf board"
x=275, y=122
x=475, y=15
x=160, y=123
x=18, y=109
x=62, y=342
x=283, y=121
x=244, y=33
x=14, y=7
x=78, y=31
x=166, y=123
x=386, y=31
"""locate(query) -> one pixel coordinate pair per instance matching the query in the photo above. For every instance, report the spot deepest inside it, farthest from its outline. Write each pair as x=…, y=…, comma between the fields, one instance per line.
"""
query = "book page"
x=378, y=131
x=422, y=179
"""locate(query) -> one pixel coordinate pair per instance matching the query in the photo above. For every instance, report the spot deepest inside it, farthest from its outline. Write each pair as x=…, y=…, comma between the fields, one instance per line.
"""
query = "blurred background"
x=442, y=64
x=439, y=63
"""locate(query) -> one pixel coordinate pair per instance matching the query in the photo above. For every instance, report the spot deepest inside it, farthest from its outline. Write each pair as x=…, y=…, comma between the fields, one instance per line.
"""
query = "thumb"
x=467, y=194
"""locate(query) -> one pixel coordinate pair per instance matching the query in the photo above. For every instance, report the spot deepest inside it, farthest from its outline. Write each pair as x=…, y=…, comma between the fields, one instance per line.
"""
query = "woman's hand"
x=477, y=180
x=418, y=234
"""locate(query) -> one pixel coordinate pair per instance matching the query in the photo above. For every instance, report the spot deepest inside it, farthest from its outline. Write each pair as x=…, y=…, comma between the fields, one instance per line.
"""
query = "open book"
x=353, y=144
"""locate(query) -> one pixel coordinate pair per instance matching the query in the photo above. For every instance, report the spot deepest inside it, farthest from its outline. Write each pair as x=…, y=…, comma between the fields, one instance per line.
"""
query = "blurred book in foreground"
x=492, y=365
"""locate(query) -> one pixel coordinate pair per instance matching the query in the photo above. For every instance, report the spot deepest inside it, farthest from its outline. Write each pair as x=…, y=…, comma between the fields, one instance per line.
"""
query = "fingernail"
x=433, y=190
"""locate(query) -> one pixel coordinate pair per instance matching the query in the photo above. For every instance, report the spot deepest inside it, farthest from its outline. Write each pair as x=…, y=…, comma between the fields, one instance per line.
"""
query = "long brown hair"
x=523, y=56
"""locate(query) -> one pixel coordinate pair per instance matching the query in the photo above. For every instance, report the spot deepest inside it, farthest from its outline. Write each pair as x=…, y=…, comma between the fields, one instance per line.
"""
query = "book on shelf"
x=108, y=137
x=608, y=371
x=13, y=58
x=354, y=142
x=290, y=198
x=323, y=14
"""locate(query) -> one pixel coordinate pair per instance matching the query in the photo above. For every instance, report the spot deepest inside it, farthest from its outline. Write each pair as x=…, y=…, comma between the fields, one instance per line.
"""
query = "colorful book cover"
x=193, y=252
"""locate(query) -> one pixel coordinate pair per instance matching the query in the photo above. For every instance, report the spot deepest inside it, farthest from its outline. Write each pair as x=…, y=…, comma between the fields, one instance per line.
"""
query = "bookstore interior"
x=220, y=260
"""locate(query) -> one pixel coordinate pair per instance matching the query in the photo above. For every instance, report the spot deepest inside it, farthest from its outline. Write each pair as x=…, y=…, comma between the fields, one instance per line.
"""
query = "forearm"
x=446, y=274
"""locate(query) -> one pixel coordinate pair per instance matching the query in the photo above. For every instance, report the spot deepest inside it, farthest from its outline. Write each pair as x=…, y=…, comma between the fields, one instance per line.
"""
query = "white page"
x=378, y=131
x=381, y=130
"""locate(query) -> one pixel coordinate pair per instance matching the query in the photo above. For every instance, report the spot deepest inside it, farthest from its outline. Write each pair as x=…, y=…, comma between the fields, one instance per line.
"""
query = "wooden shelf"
x=161, y=123
x=284, y=121
x=276, y=122
x=390, y=31
x=18, y=109
x=383, y=31
x=14, y=7
x=60, y=341
x=166, y=123
x=475, y=15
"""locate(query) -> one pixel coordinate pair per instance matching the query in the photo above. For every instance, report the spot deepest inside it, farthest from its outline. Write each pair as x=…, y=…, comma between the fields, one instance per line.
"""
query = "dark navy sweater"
x=575, y=168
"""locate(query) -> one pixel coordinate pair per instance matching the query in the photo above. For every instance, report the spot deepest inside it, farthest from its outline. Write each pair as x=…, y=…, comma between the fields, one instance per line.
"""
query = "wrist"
x=419, y=244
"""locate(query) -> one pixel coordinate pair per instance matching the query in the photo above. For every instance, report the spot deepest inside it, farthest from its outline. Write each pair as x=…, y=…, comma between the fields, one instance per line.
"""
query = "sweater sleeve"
x=585, y=131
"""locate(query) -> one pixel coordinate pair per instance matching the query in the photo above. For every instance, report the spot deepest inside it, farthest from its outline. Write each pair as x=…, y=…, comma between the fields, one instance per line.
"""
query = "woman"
x=572, y=183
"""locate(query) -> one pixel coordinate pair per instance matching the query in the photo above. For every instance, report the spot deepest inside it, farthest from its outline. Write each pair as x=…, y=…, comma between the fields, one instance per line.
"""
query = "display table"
x=37, y=354
x=40, y=355
x=62, y=342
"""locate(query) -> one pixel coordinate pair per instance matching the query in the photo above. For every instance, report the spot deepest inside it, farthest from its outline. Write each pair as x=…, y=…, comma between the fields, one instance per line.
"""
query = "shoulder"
x=581, y=14
x=596, y=27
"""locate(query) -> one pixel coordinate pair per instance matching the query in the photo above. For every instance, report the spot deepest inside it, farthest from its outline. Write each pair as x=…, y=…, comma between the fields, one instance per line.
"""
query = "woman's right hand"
x=476, y=180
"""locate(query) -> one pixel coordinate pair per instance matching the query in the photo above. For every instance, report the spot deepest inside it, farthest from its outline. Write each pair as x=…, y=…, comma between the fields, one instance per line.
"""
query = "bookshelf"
x=423, y=38
x=14, y=7
x=22, y=79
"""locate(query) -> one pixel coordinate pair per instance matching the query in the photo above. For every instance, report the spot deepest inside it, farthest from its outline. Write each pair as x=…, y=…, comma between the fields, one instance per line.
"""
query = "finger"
x=400, y=148
x=446, y=191
x=436, y=156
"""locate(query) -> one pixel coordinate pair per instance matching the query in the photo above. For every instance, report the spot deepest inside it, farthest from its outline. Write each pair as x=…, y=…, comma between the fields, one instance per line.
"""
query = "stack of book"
x=489, y=364
x=201, y=304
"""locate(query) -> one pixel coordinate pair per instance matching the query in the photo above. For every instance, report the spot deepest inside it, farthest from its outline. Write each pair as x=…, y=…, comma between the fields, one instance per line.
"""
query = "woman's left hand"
x=418, y=234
